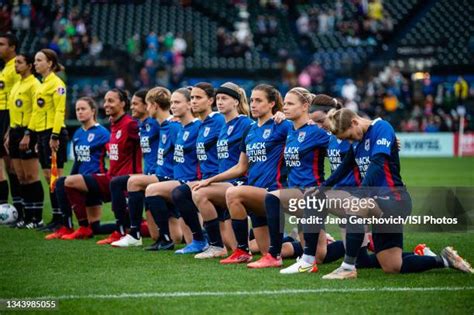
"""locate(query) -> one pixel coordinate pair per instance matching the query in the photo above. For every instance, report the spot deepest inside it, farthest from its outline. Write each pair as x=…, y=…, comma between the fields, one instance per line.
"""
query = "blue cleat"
x=193, y=248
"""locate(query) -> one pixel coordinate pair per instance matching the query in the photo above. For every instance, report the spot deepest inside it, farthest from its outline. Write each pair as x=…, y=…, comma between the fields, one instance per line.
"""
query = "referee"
x=48, y=123
x=8, y=77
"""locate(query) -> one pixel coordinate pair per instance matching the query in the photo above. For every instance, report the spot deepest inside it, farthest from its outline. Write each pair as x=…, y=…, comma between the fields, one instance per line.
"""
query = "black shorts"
x=44, y=150
x=16, y=134
x=4, y=124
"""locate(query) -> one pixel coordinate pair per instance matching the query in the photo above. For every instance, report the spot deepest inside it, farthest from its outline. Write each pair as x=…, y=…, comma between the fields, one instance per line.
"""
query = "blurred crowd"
x=411, y=105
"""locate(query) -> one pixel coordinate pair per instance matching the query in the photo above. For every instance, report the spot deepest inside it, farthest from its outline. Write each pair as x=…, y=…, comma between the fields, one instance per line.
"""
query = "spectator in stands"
x=390, y=102
x=5, y=19
x=349, y=90
x=96, y=47
x=180, y=44
x=133, y=45
x=461, y=90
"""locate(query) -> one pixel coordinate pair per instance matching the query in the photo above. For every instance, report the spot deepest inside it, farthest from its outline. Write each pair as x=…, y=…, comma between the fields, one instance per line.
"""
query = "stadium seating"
x=447, y=27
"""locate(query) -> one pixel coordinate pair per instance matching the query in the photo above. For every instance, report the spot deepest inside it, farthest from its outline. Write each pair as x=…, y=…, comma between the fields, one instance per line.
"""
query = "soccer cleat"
x=59, y=233
x=127, y=241
x=423, y=250
x=34, y=225
x=50, y=227
x=160, y=245
x=193, y=248
x=212, y=252
x=20, y=224
x=300, y=266
x=341, y=274
x=267, y=261
x=370, y=245
x=239, y=256
x=115, y=236
x=82, y=233
x=455, y=261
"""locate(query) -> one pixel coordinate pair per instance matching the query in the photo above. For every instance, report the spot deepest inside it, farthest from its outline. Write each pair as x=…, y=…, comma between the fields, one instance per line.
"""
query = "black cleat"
x=160, y=245
x=34, y=225
x=50, y=227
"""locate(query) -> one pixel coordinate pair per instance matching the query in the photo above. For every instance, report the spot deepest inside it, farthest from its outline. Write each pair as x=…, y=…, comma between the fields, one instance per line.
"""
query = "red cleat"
x=144, y=232
x=238, y=257
x=267, y=261
x=59, y=233
x=370, y=245
x=115, y=236
x=82, y=233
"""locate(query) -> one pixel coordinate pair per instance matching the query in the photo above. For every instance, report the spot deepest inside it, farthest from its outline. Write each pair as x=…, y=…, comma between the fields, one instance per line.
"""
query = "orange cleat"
x=238, y=257
x=115, y=236
x=59, y=233
x=82, y=233
x=267, y=261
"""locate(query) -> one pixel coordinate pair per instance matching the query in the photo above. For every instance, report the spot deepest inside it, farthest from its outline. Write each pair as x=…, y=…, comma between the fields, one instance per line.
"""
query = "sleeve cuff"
x=55, y=136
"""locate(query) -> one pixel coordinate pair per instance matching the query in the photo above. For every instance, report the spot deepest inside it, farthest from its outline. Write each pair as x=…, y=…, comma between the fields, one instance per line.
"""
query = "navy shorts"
x=390, y=236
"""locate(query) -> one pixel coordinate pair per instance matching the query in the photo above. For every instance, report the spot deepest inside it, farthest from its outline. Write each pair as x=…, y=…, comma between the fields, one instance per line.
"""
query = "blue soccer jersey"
x=89, y=150
x=305, y=150
x=379, y=140
x=168, y=135
x=206, y=144
x=264, y=146
x=337, y=150
x=228, y=144
x=186, y=163
x=149, y=140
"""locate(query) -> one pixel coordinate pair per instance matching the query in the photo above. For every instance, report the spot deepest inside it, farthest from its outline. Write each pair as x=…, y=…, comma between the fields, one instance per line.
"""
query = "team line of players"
x=211, y=170
x=223, y=167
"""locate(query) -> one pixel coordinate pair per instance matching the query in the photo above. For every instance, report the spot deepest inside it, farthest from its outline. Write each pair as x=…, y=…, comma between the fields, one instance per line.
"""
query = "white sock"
x=347, y=266
x=445, y=261
x=309, y=259
x=429, y=252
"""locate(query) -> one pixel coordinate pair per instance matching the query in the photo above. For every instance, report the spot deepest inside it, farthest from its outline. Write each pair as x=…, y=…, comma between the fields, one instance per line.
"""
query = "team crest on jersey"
x=90, y=137
x=40, y=102
x=229, y=131
x=2, y=85
x=147, y=127
x=163, y=139
x=61, y=91
x=18, y=103
x=266, y=133
x=339, y=141
x=367, y=145
x=118, y=135
x=185, y=135
x=206, y=131
x=301, y=136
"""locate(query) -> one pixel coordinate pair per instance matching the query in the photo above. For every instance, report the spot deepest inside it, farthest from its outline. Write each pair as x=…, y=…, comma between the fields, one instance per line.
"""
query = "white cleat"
x=212, y=252
x=341, y=274
x=455, y=261
x=127, y=241
x=300, y=266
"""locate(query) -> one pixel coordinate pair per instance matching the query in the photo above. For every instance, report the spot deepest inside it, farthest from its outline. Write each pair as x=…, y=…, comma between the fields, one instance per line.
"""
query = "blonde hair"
x=303, y=94
x=159, y=95
x=340, y=120
x=243, y=107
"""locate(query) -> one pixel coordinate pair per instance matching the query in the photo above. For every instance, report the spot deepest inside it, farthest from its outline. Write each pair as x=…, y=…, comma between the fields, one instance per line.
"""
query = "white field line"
x=243, y=293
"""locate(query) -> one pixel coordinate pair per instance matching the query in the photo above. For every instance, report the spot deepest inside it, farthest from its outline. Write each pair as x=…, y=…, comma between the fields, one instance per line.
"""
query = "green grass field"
x=87, y=278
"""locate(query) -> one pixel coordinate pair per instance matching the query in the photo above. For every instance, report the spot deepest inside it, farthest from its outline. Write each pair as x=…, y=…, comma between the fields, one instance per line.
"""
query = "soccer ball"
x=8, y=214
